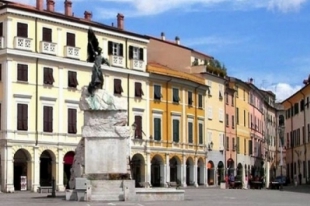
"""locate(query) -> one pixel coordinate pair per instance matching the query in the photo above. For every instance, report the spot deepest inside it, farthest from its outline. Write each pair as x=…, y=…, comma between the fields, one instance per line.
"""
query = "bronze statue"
x=94, y=55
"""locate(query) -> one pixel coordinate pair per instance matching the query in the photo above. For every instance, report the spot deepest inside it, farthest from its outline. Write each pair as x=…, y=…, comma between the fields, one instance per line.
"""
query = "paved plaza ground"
x=291, y=196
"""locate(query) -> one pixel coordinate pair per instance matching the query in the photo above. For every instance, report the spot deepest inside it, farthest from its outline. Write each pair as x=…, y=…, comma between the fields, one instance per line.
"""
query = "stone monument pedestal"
x=100, y=168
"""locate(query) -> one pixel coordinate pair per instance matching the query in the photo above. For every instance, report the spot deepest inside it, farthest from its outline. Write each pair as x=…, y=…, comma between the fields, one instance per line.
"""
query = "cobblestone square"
x=193, y=196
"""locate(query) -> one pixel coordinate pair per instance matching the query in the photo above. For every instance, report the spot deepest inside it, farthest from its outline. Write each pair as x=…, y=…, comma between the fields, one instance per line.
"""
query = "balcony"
x=1, y=42
x=22, y=43
x=116, y=61
x=72, y=52
x=137, y=64
x=48, y=47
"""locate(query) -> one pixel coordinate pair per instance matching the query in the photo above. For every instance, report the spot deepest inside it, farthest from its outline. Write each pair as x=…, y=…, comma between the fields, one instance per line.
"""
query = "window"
x=244, y=118
x=46, y=34
x=72, y=121
x=22, y=117
x=244, y=143
x=157, y=129
x=115, y=49
x=157, y=92
x=190, y=132
x=47, y=119
x=227, y=143
x=296, y=109
x=233, y=121
x=200, y=133
x=227, y=120
x=238, y=145
x=138, y=89
x=190, y=98
x=233, y=144
x=176, y=130
x=200, y=101
x=138, y=131
x=232, y=101
x=221, y=115
x=237, y=92
x=226, y=98
x=22, y=72
x=175, y=98
x=237, y=113
x=70, y=39
x=210, y=112
x=118, y=89
x=48, y=76
x=250, y=147
x=0, y=72
x=302, y=105
x=72, y=79
x=22, y=30
x=135, y=53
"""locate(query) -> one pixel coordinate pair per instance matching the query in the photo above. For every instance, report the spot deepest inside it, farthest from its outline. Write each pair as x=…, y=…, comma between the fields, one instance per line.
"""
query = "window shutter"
x=25, y=117
x=51, y=77
x=69, y=119
x=138, y=132
x=19, y=116
x=130, y=52
x=75, y=81
x=138, y=90
x=22, y=30
x=74, y=121
x=200, y=134
x=70, y=39
x=141, y=54
x=47, y=34
x=157, y=132
x=120, y=50
x=45, y=119
x=25, y=73
x=110, y=48
x=117, y=86
x=190, y=132
x=50, y=119
x=1, y=28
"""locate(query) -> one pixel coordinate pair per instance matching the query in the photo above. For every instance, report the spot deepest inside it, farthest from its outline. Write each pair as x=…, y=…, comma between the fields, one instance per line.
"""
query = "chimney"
x=120, y=21
x=112, y=24
x=177, y=40
x=163, y=36
x=88, y=15
x=251, y=80
x=50, y=5
x=68, y=8
x=40, y=5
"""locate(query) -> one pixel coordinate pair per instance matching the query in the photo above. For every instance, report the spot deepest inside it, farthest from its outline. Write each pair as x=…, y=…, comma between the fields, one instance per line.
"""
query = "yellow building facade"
x=43, y=63
x=178, y=127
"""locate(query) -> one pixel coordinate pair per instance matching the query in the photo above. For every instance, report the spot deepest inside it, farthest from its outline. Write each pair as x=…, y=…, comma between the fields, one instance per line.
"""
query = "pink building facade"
x=230, y=130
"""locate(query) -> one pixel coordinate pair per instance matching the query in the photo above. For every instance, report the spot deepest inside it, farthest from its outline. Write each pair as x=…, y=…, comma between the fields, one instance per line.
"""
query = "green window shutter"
x=200, y=134
x=176, y=130
x=157, y=129
x=190, y=132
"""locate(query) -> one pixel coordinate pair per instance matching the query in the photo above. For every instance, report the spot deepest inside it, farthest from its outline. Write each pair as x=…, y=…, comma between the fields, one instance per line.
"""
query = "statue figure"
x=94, y=55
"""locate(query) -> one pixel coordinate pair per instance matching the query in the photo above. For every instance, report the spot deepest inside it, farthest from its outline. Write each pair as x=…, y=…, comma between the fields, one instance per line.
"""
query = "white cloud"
x=133, y=8
x=283, y=90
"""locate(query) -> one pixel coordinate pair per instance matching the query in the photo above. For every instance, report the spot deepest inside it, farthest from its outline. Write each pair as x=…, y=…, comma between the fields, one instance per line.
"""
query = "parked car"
x=282, y=180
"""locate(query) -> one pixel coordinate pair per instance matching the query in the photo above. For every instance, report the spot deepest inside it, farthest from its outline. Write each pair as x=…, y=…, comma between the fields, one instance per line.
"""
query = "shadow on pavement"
x=46, y=197
x=297, y=189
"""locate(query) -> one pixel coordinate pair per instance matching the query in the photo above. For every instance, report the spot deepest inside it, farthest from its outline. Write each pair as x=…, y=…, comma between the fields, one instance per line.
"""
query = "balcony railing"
x=48, y=47
x=72, y=52
x=136, y=64
x=116, y=61
x=1, y=42
x=22, y=43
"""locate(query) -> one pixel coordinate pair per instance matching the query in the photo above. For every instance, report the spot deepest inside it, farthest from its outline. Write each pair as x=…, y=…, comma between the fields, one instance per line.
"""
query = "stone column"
x=206, y=172
x=36, y=169
x=167, y=169
x=195, y=172
x=60, y=172
x=184, y=174
x=163, y=175
x=7, y=170
x=148, y=168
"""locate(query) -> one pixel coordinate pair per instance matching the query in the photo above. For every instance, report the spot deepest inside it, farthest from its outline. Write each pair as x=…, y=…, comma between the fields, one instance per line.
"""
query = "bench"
x=45, y=189
x=145, y=184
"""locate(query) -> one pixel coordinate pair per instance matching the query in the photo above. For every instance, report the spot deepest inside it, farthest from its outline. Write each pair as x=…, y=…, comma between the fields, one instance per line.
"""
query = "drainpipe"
x=292, y=146
x=128, y=76
x=167, y=112
x=37, y=86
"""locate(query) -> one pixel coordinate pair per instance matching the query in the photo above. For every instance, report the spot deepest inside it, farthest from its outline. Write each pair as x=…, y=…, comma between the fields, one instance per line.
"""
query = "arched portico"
x=239, y=172
x=22, y=170
x=47, y=168
x=137, y=165
x=68, y=161
x=157, y=171
x=220, y=172
x=175, y=169
x=230, y=166
x=189, y=171
x=210, y=173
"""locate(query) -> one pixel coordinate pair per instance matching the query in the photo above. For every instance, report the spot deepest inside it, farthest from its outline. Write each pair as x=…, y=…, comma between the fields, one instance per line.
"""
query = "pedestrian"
x=299, y=177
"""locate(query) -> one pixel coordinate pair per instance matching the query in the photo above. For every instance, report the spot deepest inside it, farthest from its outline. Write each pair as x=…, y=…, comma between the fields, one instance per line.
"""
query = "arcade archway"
x=239, y=172
x=157, y=171
x=175, y=169
x=189, y=171
x=47, y=168
x=220, y=172
x=68, y=161
x=230, y=166
x=201, y=171
x=137, y=166
x=210, y=173
x=22, y=170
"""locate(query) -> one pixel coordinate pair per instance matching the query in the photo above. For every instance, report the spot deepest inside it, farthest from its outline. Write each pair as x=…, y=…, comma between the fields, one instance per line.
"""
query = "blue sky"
x=268, y=40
